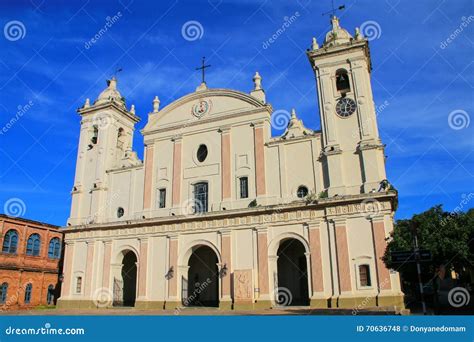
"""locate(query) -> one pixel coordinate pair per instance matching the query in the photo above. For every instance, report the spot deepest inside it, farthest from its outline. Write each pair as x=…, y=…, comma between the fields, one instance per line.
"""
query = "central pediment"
x=201, y=106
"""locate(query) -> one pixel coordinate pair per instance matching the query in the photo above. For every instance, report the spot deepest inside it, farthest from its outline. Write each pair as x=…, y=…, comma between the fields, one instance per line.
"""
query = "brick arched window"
x=10, y=242
x=33, y=245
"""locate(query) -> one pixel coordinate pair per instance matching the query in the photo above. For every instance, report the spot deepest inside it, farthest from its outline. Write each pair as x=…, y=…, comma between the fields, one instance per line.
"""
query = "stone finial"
x=314, y=44
x=257, y=81
x=88, y=103
x=293, y=113
x=156, y=104
x=112, y=83
x=132, y=109
x=358, y=35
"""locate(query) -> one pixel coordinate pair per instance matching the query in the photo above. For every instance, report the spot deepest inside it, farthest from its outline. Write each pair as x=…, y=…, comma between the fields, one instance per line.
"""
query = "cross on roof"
x=203, y=68
x=334, y=9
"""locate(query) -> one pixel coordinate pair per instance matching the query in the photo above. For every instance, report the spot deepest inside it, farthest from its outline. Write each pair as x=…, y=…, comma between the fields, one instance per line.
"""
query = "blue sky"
x=49, y=67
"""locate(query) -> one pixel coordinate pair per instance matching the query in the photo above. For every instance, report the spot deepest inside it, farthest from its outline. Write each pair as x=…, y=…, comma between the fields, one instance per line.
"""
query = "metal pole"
x=418, y=269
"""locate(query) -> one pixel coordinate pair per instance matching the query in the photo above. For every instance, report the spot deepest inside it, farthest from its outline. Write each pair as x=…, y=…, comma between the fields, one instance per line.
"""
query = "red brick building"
x=30, y=263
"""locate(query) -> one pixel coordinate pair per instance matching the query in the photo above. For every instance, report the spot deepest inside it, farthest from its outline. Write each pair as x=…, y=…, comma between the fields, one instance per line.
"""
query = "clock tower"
x=352, y=152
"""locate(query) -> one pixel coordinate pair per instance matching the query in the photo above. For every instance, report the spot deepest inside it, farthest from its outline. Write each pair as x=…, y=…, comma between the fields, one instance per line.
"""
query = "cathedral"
x=220, y=213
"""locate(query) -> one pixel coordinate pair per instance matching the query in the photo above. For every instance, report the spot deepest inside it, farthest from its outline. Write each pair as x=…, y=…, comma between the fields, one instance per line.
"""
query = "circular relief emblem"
x=345, y=107
x=201, y=108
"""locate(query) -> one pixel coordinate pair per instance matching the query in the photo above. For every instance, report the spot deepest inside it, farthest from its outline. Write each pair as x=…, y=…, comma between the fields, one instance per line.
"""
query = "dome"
x=337, y=35
x=110, y=94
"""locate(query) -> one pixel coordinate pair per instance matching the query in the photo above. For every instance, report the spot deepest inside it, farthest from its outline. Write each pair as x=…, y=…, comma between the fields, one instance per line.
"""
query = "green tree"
x=448, y=235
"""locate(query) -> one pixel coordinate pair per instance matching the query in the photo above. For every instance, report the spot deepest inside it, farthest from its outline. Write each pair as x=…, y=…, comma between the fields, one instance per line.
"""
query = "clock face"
x=345, y=107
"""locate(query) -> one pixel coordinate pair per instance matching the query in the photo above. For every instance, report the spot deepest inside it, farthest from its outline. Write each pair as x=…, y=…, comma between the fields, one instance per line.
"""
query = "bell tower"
x=105, y=141
x=352, y=152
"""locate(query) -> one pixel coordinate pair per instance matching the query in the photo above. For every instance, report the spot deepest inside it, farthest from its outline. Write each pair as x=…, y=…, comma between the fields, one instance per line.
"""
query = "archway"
x=203, y=278
x=292, y=270
x=125, y=287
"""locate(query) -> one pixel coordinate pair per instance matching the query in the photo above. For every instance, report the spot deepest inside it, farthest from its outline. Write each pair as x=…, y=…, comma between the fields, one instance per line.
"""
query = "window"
x=244, y=187
x=54, y=251
x=78, y=284
x=302, y=192
x=364, y=275
x=162, y=198
x=342, y=81
x=3, y=293
x=10, y=242
x=33, y=245
x=200, y=197
x=202, y=153
x=28, y=290
x=50, y=295
x=120, y=212
x=95, y=134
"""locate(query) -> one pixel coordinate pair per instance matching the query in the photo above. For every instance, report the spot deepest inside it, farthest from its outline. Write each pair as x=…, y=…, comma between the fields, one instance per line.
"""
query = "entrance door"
x=203, y=278
x=292, y=274
x=129, y=278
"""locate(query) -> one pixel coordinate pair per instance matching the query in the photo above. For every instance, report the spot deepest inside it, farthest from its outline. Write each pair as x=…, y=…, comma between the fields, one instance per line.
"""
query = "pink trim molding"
x=343, y=259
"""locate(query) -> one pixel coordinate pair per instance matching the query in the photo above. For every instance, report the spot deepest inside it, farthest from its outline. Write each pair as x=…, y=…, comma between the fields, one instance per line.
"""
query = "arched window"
x=120, y=138
x=342, y=81
x=54, y=251
x=10, y=242
x=364, y=275
x=33, y=245
x=50, y=295
x=28, y=290
x=3, y=293
x=95, y=134
x=302, y=192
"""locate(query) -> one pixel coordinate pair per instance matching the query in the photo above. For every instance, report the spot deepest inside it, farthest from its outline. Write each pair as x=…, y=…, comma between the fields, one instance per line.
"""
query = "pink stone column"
x=226, y=169
x=173, y=282
x=176, y=196
x=262, y=262
x=259, y=159
x=383, y=274
x=68, y=256
x=89, y=266
x=143, y=267
x=226, y=260
x=316, y=261
x=106, y=269
x=147, y=191
x=343, y=258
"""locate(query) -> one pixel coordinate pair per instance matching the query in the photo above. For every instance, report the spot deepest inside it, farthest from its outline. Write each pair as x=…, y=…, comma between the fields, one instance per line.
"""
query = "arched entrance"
x=292, y=271
x=203, y=278
x=125, y=286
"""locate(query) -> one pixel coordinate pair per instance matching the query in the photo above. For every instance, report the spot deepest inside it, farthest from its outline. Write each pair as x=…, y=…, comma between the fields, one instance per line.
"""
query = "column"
x=226, y=164
x=176, y=195
x=342, y=253
x=173, y=264
x=142, y=278
x=89, y=266
x=259, y=142
x=226, y=260
x=68, y=258
x=148, y=190
x=316, y=261
x=378, y=233
x=262, y=250
x=107, y=263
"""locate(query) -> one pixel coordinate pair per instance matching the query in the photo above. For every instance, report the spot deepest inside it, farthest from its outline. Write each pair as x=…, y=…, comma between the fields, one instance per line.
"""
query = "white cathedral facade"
x=220, y=213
